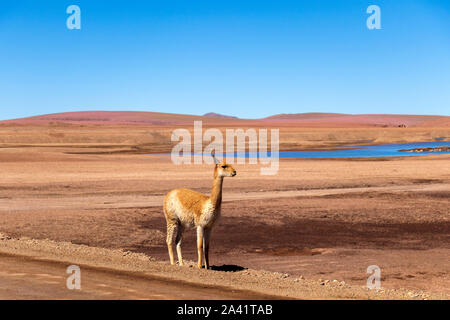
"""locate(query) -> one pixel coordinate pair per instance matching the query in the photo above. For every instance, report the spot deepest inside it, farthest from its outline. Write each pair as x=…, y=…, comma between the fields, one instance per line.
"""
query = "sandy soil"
x=149, y=132
x=36, y=269
x=28, y=277
x=316, y=219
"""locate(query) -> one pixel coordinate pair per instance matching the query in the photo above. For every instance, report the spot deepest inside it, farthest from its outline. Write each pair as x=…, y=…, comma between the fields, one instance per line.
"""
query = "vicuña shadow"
x=228, y=268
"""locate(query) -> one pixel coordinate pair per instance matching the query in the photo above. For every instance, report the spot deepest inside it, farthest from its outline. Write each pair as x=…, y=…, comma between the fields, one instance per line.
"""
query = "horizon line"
x=226, y=115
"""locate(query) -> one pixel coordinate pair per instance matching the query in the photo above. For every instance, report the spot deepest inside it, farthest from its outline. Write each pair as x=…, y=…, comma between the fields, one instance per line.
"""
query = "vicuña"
x=186, y=208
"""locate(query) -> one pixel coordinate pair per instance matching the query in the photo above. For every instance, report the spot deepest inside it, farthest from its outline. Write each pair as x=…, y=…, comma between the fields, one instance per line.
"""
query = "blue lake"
x=385, y=150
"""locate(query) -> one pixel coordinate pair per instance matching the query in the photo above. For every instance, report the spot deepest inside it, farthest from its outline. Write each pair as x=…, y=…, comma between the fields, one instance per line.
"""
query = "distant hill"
x=118, y=117
x=440, y=122
x=323, y=120
x=330, y=119
x=309, y=115
x=218, y=115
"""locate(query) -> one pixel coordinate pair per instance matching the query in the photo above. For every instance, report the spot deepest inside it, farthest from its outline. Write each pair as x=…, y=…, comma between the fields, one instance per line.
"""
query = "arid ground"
x=89, y=195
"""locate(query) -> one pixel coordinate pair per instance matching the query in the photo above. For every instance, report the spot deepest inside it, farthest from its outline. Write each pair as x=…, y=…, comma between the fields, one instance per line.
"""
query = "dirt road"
x=23, y=277
x=36, y=269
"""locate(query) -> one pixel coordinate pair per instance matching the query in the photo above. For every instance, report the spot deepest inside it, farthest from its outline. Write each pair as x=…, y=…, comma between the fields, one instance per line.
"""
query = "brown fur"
x=187, y=208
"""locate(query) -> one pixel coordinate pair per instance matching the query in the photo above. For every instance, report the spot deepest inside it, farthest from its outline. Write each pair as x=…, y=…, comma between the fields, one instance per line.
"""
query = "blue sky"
x=245, y=58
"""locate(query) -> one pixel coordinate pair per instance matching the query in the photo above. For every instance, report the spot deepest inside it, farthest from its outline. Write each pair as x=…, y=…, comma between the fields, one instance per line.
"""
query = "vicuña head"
x=185, y=208
x=224, y=170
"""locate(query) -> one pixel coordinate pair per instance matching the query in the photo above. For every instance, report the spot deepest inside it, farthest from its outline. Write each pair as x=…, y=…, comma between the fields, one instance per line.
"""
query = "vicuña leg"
x=180, y=230
x=170, y=234
x=206, y=238
x=199, y=246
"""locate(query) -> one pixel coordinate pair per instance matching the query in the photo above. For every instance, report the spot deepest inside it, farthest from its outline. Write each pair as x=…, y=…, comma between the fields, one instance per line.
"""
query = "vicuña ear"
x=216, y=161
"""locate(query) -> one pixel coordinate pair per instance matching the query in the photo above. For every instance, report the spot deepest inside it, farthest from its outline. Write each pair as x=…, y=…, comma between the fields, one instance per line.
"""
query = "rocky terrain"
x=435, y=149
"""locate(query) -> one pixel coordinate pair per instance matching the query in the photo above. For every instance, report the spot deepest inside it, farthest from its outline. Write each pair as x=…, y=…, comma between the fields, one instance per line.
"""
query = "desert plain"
x=87, y=189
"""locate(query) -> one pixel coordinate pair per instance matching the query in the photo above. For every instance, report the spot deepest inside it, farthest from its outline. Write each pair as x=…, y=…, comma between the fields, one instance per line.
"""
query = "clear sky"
x=244, y=58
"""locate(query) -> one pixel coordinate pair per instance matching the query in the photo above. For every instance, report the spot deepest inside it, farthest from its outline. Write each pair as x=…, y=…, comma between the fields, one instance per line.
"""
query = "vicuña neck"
x=216, y=193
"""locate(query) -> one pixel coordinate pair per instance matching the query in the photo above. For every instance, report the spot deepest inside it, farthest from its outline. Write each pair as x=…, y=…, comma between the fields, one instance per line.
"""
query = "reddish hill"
x=441, y=122
x=293, y=120
x=115, y=117
x=305, y=116
x=359, y=119
x=218, y=115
